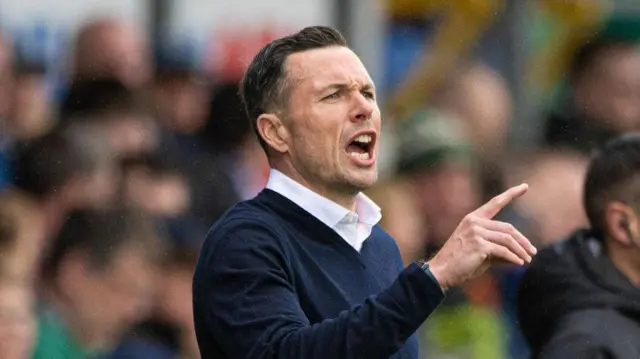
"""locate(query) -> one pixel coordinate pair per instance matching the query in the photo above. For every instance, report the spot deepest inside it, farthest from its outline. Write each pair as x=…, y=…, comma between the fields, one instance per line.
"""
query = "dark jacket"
x=573, y=303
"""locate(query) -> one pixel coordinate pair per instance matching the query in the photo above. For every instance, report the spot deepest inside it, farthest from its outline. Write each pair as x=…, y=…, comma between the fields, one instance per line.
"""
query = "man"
x=581, y=298
x=65, y=170
x=603, y=97
x=303, y=270
x=98, y=278
x=107, y=47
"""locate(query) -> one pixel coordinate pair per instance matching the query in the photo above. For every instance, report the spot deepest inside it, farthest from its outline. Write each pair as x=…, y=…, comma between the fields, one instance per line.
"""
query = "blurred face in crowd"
x=97, y=189
x=328, y=136
x=183, y=102
x=446, y=194
x=610, y=92
x=31, y=113
x=130, y=134
x=17, y=320
x=165, y=195
x=107, y=301
x=109, y=48
x=480, y=97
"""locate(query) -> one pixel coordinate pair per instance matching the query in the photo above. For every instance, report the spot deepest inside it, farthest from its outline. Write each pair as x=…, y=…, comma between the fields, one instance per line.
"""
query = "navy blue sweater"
x=273, y=282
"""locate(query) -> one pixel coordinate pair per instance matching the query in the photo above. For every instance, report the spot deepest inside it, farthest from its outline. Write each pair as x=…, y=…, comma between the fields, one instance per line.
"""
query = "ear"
x=620, y=222
x=273, y=132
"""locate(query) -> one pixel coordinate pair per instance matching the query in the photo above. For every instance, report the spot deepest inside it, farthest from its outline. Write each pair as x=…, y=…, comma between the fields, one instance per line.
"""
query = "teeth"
x=362, y=156
x=363, y=138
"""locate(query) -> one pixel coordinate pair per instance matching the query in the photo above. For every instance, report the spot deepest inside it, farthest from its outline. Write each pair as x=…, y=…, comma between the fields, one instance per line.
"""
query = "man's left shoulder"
x=381, y=236
x=385, y=245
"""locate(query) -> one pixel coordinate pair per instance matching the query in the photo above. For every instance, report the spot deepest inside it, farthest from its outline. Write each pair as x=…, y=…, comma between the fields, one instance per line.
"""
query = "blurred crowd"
x=110, y=183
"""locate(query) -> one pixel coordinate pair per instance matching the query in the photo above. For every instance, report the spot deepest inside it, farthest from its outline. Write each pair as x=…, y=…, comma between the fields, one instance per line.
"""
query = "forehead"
x=322, y=67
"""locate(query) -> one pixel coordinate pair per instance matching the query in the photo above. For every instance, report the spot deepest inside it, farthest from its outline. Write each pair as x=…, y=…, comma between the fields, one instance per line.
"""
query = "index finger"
x=497, y=203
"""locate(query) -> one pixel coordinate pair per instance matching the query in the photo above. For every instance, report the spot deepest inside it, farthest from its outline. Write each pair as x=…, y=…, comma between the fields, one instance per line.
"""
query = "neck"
x=343, y=198
x=625, y=260
x=73, y=322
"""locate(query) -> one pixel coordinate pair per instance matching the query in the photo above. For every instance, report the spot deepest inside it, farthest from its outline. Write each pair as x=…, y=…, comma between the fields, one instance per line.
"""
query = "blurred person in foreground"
x=98, y=281
x=602, y=98
x=109, y=48
x=580, y=298
x=303, y=270
x=21, y=233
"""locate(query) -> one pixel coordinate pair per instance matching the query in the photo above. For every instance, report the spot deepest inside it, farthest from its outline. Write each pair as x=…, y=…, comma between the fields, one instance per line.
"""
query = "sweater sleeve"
x=252, y=311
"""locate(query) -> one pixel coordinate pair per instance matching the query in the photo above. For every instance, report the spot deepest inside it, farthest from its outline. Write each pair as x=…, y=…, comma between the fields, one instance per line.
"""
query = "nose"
x=362, y=108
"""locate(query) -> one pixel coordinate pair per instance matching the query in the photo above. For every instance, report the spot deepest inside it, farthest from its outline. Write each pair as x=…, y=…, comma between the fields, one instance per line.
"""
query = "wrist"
x=438, y=272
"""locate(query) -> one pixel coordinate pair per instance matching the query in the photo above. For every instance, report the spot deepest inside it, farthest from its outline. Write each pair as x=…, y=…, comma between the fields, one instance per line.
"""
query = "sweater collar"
x=325, y=210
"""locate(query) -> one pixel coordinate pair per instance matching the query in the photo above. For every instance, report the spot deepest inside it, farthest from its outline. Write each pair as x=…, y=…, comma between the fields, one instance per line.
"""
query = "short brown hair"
x=264, y=85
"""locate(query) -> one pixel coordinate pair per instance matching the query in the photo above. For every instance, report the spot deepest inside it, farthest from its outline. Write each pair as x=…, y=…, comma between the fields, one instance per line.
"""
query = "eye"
x=333, y=96
x=369, y=95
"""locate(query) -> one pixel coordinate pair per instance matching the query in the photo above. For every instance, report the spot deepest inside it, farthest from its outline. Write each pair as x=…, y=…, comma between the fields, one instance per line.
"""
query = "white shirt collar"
x=325, y=210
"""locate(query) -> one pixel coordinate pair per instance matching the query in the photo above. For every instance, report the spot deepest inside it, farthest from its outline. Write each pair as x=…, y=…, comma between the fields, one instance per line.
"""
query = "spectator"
x=180, y=91
x=20, y=237
x=169, y=332
x=438, y=162
x=580, y=298
x=98, y=279
x=65, y=170
x=229, y=137
x=206, y=172
x=480, y=97
x=118, y=112
x=107, y=48
x=17, y=321
x=22, y=232
x=151, y=185
x=603, y=96
x=31, y=112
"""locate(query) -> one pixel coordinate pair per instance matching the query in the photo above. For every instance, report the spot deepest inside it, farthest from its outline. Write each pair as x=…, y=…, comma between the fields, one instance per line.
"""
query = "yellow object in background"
x=463, y=21
x=574, y=22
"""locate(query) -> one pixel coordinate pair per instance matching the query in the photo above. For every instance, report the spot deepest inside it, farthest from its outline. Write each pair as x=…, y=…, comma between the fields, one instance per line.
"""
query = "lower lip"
x=362, y=162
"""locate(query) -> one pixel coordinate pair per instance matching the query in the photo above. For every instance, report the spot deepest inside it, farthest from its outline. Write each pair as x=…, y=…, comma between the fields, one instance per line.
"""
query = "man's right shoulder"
x=242, y=217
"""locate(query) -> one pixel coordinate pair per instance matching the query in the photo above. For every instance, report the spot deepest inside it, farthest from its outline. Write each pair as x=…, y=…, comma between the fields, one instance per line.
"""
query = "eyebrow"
x=345, y=86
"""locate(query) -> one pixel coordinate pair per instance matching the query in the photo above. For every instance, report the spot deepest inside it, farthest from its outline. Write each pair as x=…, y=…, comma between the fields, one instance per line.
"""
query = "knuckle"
x=476, y=230
x=471, y=219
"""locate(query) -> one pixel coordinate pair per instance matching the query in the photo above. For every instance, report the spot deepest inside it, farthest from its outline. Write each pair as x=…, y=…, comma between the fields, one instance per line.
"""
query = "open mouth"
x=361, y=146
